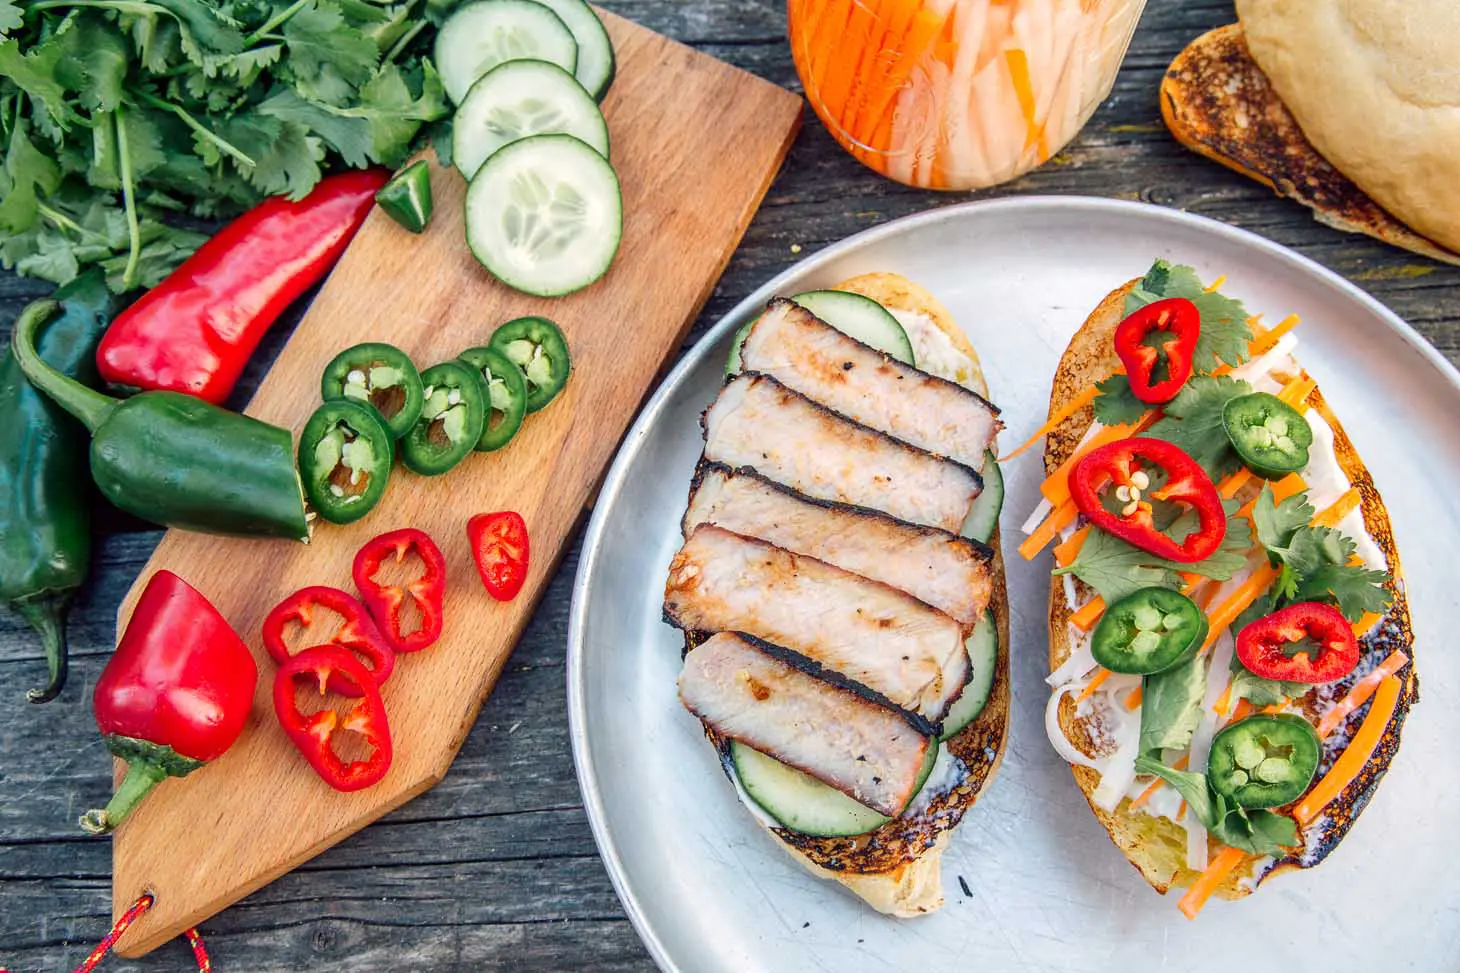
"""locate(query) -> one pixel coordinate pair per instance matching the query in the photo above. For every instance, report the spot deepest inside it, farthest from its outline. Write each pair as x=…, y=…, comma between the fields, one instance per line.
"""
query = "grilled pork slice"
x=866, y=751
x=949, y=572
x=882, y=640
x=758, y=422
x=806, y=354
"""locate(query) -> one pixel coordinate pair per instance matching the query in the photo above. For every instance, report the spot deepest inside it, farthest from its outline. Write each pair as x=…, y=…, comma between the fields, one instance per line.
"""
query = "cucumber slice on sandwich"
x=544, y=215
x=853, y=315
x=983, y=655
x=983, y=516
x=596, y=63
x=517, y=100
x=480, y=36
x=801, y=802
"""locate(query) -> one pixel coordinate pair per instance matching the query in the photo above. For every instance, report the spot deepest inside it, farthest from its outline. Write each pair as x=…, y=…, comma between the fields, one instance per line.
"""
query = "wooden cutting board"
x=696, y=144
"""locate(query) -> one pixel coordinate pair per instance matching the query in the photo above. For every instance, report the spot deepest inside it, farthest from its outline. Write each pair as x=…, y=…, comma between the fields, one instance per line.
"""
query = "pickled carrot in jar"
x=957, y=94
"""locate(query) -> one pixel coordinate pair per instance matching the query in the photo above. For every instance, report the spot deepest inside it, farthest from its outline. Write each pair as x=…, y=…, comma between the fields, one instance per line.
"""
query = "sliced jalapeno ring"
x=506, y=394
x=407, y=197
x=1148, y=631
x=379, y=375
x=1264, y=761
x=345, y=454
x=451, y=419
x=538, y=347
x=1270, y=436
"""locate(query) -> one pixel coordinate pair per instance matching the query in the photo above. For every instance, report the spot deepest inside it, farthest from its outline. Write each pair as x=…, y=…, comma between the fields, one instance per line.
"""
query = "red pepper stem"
x=47, y=615
x=142, y=776
x=89, y=406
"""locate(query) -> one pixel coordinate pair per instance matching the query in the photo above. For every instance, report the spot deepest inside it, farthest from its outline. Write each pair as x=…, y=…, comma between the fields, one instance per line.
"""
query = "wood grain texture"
x=494, y=868
x=696, y=143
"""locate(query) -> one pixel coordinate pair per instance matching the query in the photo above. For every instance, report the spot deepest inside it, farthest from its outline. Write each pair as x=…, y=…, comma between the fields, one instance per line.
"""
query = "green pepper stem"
x=87, y=405
x=47, y=615
x=142, y=776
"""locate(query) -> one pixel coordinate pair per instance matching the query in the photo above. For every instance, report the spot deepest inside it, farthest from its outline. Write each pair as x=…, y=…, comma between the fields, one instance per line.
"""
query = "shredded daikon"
x=1076, y=665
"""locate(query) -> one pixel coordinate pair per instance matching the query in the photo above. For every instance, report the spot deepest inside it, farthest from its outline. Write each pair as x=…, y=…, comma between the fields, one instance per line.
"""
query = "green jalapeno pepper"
x=45, y=500
x=407, y=197
x=506, y=394
x=538, y=347
x=379, y=375
x=345, y=454
x=174, y=459
x=451, y=420
x=1269, y=435
x=1148, y=631
x=1264, y=761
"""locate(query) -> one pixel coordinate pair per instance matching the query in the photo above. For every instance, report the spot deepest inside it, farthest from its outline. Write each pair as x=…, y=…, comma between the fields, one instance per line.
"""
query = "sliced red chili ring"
x=387, y=602
x=314, y=735
x=1159, y=337
x=1306, y=642
x=357, y=632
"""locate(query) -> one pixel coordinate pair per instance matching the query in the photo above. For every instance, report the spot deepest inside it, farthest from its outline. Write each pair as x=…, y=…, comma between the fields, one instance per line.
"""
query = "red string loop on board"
x=143, y=903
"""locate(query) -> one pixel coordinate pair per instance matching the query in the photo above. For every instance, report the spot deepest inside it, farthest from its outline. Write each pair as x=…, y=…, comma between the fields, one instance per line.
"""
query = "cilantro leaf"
x=27, y=174
x=36, y=73
x=1315, y=560
x=1171, y=705
x=1255, y=832
x=1257, y=690
x=1356, y=589
x=1225, y=333
x=1278, y=522
x=1116, y=404
x=1193, y=421
x=94, y=64
x=319, y=39
x=10, y=16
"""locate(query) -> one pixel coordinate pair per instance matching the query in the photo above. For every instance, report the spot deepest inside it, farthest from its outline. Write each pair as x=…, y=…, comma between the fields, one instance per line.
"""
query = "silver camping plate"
x=1031, y=879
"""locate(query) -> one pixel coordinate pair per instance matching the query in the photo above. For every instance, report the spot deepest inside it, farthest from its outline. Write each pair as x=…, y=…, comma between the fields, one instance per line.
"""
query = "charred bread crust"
x=1156, y=846
x=1217, y=102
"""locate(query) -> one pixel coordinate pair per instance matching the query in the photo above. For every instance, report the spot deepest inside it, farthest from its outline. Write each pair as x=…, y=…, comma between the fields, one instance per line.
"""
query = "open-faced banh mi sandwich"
x=840, y=588
x=1229, y=644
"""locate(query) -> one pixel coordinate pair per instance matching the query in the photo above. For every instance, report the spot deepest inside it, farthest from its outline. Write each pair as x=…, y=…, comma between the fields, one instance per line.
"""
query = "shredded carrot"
x=1366, y=623
x=1216, y=285
x=874, y=128
x=1133, y=700
x=1089, y=614
x=1155, y=786
x=1056, y=487
x=1255, y=323
x=1075, y=404
x=1058, y=519
x=1229, y=485
x=1181, y=810
x=1208, y=882
x=1339, y=509
x=1357, y=755
x=1288, y=486
x=1226, y=612
x=1224, y=700
x=1205, y=593
x=1018, y=62
x=1363, y=689
x=1269, y=340
x=1093, y=685
x=1296, y=392
x=840, y=71
x=1243, y=710
x=1066, y=551
x=1274, y=708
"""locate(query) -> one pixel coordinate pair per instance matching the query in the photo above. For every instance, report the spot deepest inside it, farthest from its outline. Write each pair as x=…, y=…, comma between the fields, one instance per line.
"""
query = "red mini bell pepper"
x=196, y=331
x=1168, y=328
x=314, y=734
x=385, y=602
x=499, y=546
x=175, y=695
x=1135, y=468
x=357, y=631
x=1305, y=642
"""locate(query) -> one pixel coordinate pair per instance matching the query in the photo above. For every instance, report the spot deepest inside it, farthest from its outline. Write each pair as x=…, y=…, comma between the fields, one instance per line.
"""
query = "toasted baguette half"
x=1217, y=102
x=1156, y=846
x=896, y=869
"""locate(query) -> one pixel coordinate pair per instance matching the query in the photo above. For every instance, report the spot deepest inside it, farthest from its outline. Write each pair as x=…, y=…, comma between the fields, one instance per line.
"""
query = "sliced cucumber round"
x=544, y=215
x=596, y=63
x=983, y=656
x=480, y=36
x=851, y=314
x=801, y=802
x=519, y=99
x=983, y=516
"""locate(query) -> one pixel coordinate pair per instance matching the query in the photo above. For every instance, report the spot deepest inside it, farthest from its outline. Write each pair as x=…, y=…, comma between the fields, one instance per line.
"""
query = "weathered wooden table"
x=495, y=868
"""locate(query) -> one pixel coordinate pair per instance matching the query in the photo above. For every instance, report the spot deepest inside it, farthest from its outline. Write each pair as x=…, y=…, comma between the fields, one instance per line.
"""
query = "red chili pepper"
x=196, y=330
x=385, y=601
x=176, y=693
x=1178, y=320
x=1134, y=467
x=499, y=545
x=357, y=631
x=314, y=734
x=1283, y=645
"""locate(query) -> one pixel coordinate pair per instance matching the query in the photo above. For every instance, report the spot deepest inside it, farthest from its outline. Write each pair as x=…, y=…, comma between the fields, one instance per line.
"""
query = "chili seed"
x=1140, y=480
x=1237, y=778
x=1171, y=622
x=1272, y=770
x=1248, y=753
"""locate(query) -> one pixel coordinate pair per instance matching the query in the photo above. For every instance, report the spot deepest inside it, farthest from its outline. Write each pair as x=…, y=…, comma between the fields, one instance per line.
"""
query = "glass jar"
x=957, y=94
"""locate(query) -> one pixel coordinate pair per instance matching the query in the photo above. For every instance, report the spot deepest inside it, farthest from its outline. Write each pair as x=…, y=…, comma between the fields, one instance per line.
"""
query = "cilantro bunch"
x=123, y=121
